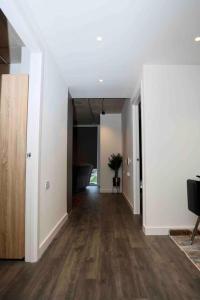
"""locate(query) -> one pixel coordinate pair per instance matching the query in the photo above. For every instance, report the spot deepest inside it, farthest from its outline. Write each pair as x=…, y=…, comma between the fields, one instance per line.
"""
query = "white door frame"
x=136, y=162
x=33, y=163
x=136, y=166
x=21, y=25
x=98, y=148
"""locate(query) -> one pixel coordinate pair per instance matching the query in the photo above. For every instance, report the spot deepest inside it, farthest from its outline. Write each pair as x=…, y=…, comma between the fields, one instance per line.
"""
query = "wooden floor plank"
x=101, y=253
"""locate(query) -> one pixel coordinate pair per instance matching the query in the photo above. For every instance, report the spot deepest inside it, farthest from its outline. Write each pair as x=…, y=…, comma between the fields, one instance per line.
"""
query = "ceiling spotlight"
x=197, y=39
x=99, y=38
x=101, y=80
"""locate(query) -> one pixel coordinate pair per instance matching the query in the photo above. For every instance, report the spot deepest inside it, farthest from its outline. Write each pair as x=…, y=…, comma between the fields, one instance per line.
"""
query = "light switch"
x=47, y=185
x=128, y=161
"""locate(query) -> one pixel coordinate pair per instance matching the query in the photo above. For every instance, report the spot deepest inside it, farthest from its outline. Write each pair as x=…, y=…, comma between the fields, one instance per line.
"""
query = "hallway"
x=102, y=254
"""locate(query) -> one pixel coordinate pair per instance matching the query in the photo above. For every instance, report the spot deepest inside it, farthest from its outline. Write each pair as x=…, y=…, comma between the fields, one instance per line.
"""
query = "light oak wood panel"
x=13, y=124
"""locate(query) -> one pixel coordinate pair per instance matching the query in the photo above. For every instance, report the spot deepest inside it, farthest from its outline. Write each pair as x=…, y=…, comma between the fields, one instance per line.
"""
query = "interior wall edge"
x=49, y=238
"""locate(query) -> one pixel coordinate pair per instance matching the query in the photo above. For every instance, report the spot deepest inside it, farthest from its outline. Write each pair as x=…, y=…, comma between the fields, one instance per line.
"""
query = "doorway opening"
x=91, y=151
x=14, y=88
x=85, y=156
x=22, y=56
x=94, y=177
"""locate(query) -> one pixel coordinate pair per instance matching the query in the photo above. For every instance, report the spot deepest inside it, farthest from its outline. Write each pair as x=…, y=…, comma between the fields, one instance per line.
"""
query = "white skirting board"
x=105, y=190
x=102, y=190
x=128, y=202
x=47, y=241
x=162, y=230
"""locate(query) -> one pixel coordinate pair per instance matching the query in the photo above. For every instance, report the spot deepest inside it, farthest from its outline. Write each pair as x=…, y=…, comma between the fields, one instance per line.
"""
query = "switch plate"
x=47, y=185
x=128, y=161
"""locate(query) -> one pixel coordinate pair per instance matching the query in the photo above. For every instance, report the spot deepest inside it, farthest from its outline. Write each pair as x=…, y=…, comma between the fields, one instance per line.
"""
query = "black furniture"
x=193, y=193
x=81, y=176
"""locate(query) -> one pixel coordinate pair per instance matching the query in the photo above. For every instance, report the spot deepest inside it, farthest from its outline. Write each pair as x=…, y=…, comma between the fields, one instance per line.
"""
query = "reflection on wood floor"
x=102, y=254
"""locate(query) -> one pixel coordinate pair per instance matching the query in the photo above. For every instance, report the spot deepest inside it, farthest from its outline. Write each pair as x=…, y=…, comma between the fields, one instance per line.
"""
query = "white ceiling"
x=134, y=32
x=87, y=111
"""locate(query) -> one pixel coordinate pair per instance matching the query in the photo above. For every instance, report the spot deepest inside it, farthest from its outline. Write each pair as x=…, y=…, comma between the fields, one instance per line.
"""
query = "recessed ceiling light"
x=197, y=39
x=100, y=80
x=99, y=38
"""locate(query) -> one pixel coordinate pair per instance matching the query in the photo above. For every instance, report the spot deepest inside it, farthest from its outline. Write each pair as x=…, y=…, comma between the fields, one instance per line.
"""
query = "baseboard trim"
x=102, y=190
x=108, y=191
x=129, y=204
x=162, y=230
x=47, y=241
x=136, y=210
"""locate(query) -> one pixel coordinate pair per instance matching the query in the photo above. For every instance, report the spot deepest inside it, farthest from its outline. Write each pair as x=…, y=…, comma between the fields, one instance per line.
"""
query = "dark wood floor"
x=102, y=254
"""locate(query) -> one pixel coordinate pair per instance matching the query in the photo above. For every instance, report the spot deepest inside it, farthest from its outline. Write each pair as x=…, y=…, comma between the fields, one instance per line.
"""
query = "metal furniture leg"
x=195, y=230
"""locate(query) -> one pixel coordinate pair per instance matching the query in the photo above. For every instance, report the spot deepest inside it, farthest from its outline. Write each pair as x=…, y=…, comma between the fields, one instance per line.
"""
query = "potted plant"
x=114, y=162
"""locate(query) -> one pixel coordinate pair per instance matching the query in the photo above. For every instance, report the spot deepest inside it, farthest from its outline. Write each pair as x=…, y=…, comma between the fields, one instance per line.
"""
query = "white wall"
x=127, y=151
x=24, y=66
x=171, y=143
x=110, y=142
x=15, y=68
x=53, y=161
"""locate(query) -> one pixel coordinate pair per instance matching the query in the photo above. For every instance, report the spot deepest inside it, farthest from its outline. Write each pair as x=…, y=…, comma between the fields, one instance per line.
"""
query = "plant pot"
x=116, y=181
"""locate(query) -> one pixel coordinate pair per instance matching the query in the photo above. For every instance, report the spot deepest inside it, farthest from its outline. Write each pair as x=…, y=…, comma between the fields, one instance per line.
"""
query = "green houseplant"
x=114, y=162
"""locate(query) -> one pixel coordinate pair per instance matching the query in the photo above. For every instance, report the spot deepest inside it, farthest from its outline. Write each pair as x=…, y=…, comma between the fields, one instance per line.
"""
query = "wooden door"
x=13, y=124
